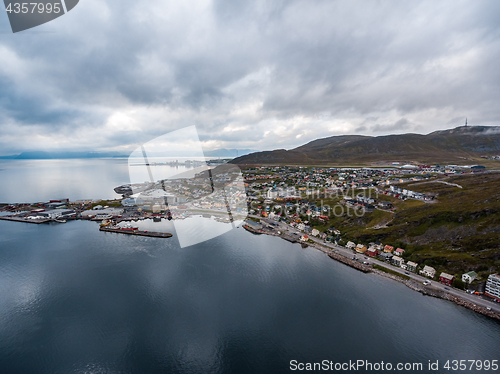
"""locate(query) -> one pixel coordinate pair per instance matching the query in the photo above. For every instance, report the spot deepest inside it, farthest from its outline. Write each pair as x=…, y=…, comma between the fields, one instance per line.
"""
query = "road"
x=475, y=299
x=284, y=228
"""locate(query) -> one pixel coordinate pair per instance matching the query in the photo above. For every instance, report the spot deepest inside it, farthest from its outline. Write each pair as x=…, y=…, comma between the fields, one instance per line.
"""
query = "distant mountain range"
x=41, y=155
x=450, y=146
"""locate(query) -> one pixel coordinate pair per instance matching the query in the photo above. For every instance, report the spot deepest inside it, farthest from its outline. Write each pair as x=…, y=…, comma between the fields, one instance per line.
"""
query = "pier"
x=152, y=234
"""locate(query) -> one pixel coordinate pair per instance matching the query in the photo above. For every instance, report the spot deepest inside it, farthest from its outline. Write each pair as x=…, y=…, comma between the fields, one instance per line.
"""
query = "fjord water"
x=43, y=180
x=76, y=300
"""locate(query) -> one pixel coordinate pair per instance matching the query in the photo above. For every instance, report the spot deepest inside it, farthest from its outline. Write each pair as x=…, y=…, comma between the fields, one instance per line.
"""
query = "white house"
x=350, y=245
x=428, y=271
x=469, y=277
x=399, y=251
x=411, y=266
x=315, y=232
x=398, y=261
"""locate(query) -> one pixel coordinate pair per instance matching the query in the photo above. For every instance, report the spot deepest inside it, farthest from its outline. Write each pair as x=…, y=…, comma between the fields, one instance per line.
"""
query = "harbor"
x=108, y=222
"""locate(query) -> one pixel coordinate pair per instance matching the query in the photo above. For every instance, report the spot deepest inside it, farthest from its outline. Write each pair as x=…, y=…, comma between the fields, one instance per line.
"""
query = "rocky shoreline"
x=429, y=291
x=411, y=283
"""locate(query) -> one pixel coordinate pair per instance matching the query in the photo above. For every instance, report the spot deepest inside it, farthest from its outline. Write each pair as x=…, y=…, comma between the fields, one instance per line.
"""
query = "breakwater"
x=137, y=232
x=25, y=220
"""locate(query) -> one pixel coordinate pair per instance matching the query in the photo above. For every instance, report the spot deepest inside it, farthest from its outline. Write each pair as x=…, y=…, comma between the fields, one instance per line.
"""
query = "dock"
x=152, y=234
x=25, y=220
x=252, y=230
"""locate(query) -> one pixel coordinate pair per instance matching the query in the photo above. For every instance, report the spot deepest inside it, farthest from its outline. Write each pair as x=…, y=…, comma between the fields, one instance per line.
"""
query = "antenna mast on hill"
x=465, y=121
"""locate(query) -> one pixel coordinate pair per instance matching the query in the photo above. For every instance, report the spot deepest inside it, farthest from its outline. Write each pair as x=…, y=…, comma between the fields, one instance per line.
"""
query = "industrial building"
x=57, y=213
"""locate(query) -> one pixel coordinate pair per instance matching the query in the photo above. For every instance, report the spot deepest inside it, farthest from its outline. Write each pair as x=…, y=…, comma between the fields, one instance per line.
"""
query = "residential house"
x=386, y=256
x=372, y=251
x=350, y=245
x=493, y=286
x=398, y=261
x=428, y=271
x=304, y=238
x=388, y=248
x=399, y=252
x=377, y=245
x=469, y=277
x=446, y=278
x=411, y=266
x=315, y=232
x=360, y=248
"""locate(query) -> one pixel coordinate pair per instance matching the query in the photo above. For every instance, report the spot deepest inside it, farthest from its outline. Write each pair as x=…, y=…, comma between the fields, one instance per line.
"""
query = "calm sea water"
x=76, y=300
x=42, y=180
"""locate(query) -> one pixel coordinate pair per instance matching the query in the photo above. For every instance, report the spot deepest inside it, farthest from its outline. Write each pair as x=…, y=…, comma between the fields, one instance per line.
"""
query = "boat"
x=129, y=227
x=60, y=220
x=105, y=222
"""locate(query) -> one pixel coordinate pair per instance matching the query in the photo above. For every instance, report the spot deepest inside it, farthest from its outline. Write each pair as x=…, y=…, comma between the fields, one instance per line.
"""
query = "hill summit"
x=461, y=144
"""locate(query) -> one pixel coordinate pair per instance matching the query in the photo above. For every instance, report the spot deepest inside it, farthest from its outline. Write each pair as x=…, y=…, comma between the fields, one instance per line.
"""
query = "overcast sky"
x=112, y=74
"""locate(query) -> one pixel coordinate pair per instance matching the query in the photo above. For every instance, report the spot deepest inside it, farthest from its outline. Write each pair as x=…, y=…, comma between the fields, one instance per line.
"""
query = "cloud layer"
x=250, y=74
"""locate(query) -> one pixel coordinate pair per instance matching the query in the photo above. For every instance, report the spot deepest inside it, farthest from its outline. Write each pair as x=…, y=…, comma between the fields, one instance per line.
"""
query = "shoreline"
x=410, y=283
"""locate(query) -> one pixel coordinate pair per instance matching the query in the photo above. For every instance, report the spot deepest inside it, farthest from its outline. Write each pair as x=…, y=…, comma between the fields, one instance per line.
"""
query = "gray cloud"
x=249, y=74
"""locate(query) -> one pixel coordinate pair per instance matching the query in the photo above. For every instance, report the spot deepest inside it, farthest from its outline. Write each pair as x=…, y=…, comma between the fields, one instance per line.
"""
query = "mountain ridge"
x=452, y=145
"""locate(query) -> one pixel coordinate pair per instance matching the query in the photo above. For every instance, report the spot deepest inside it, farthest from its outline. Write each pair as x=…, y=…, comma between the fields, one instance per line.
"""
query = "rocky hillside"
x=448, y=146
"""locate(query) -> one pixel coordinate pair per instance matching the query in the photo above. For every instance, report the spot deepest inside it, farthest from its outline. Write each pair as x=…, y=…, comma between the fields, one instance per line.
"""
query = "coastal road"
x=475, y=299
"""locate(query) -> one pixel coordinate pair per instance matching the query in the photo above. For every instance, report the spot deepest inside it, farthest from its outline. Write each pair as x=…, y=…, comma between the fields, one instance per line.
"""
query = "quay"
x=22, y=219
x=137, y=232
x=252, y=230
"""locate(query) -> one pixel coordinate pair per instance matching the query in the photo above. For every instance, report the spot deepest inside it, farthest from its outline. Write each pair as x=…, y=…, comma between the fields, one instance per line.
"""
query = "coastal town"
x=299, y=204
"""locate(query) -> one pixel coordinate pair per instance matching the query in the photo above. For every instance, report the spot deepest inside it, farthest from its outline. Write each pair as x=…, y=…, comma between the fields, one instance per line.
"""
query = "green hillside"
x=458, y=232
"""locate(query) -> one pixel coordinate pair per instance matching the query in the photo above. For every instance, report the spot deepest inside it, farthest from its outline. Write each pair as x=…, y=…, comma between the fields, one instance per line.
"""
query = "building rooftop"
x=446, y=276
